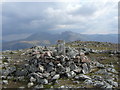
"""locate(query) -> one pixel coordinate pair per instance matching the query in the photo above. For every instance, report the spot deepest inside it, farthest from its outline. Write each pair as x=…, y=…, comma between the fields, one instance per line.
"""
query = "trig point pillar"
x=61, y=47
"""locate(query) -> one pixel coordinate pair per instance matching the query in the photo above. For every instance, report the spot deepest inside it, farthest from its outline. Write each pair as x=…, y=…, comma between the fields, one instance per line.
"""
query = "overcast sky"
x=20, y=19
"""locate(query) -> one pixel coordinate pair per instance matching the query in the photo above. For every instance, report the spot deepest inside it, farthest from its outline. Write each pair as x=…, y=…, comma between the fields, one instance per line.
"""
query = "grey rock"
x=30, y=84
x=107, y=85
x=78, y=70
x=22, y=87
x=97, y=78
x=42, y=81
x=41, y=68
x=38, y=56
x=52, y=73
x=88, y=82
x=51, y=63
x=71, y=74
x=98, y=84
x=39, y=86
x=46, y=75
x=4, y=77
x=23, y=72
x=5, y=72
x=72, y=54
x=21, y=78
x=50, y=68
x=102, y=71
x=111, y=70
x=12, y=69
x=85, y=68
x=32, y=79
x=5, y=81
x=99, y=65
x=60, y=69
x=67, y=69
x=82, y=77
x=111, y=82
x=76, y=82
x=57, y=76
x=32, y=68
x=73, y=66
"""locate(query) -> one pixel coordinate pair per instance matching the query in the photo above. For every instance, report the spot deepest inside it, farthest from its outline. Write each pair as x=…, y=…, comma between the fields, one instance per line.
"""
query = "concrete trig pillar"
x=61, y=47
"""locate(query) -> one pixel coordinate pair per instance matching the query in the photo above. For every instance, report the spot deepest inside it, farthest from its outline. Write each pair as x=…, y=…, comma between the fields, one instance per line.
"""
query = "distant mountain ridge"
x=44, y=38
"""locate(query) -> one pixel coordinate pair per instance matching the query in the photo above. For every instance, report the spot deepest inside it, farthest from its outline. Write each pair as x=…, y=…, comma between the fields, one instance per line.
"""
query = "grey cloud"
x=19, y=18
x=85, y=10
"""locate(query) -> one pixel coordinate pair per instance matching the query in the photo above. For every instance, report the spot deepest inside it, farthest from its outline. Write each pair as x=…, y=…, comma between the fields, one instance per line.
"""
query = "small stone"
x=57, y=76
x=82, y=77
x=102, y=71
x=39, y=86
x=71, y=74
x=46, y=75
x=67, y=69
x=30, y=84
x=22, y=87
x=32, y=79
x=85, y=68
x=41, y=68
x=5, y=82
x=112, y=70
x=115, y=84
x=52, y=73
x=76, y=82
x=51, y=63
x=98, y=84
x=88, y=82
x=43, y=81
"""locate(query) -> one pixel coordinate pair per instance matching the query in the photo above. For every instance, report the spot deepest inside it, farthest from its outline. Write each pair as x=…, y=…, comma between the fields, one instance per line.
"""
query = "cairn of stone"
x=47, y=65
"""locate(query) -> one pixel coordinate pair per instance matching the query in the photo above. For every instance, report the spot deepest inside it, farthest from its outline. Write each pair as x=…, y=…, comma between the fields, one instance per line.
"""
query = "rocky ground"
x=83, y=65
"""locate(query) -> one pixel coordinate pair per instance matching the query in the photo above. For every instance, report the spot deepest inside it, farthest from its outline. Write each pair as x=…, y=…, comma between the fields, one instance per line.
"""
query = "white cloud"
x=82, y=17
